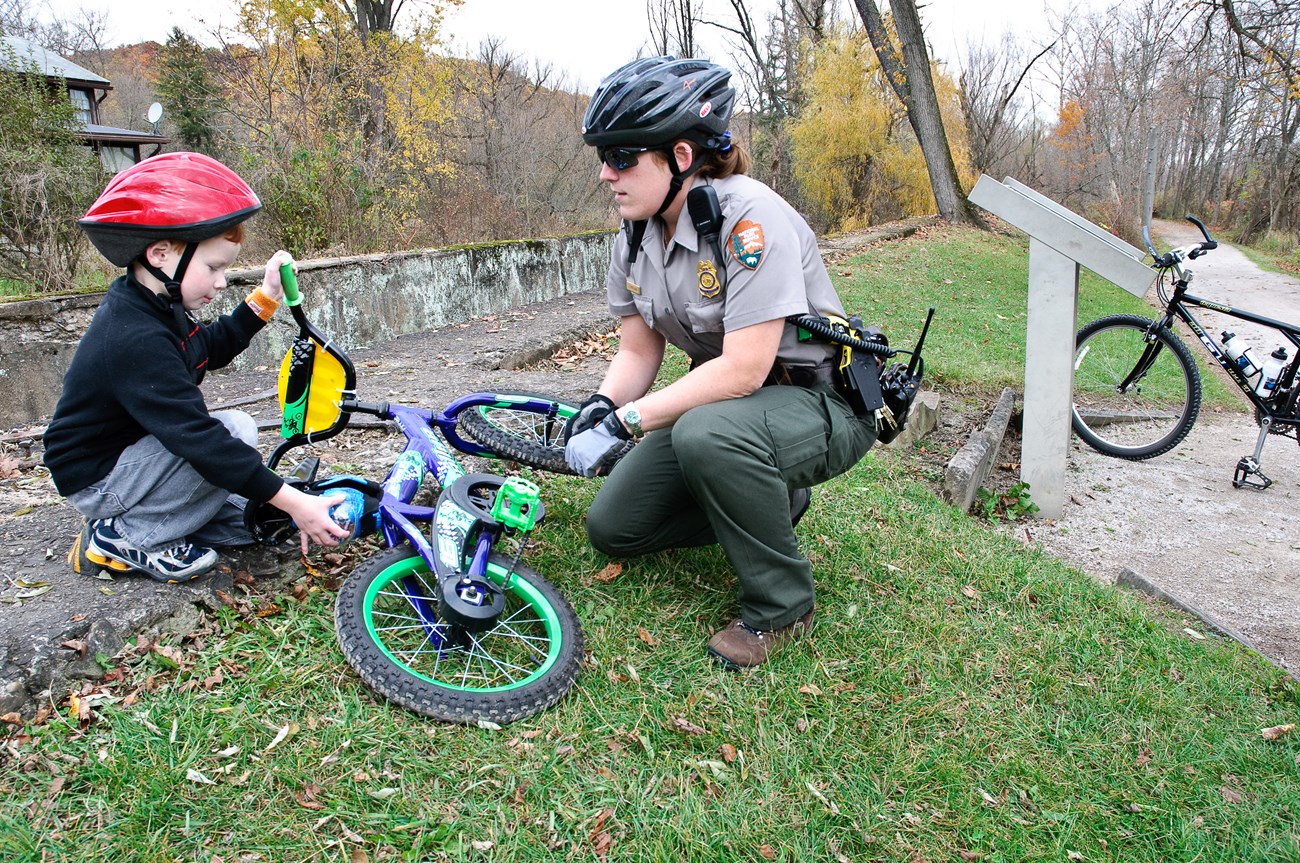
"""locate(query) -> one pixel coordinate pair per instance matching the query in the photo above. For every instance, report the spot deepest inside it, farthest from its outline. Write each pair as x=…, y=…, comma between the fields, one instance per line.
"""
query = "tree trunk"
x=909, y=76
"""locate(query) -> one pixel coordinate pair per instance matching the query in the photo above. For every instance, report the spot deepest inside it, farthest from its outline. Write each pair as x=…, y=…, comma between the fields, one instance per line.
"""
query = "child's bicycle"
x=446, y=622
x=1137, y=390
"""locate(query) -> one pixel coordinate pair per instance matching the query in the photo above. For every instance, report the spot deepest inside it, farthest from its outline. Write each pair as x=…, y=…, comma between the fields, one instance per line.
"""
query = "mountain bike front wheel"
x=513, y=430
x=1137, y=390
x=390, y=631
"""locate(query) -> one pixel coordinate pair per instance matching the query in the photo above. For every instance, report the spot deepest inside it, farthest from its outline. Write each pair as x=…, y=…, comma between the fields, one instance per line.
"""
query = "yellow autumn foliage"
x=343, y=129
x=856, y=159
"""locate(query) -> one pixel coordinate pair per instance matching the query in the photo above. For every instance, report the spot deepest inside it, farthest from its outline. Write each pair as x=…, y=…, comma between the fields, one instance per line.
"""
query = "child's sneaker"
x=182, y=562
x=83, y=561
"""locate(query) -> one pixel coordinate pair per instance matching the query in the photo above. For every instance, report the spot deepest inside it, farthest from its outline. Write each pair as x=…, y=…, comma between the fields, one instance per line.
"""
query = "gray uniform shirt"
x=773, y=269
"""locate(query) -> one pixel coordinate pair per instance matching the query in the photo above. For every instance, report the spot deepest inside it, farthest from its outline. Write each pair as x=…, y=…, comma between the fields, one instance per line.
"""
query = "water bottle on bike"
x=1272, y=371
x=348, y=514
x=1241, y=354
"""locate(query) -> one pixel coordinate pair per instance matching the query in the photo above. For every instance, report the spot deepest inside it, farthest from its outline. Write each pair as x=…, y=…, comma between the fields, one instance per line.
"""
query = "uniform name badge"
x=633, y=288
x=710, y=287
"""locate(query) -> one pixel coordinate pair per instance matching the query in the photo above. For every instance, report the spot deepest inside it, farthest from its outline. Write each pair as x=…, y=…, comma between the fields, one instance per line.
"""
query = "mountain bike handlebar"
x=1174, y=256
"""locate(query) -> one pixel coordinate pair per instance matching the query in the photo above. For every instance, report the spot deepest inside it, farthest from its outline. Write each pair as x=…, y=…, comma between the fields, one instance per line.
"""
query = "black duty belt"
x=784, y=374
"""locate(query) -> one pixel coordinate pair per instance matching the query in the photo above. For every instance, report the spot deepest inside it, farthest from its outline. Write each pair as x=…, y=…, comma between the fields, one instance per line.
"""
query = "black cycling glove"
x=593, y=410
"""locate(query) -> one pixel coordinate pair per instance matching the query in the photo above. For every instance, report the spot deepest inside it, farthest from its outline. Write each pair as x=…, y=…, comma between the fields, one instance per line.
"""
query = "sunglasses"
x=621, y=158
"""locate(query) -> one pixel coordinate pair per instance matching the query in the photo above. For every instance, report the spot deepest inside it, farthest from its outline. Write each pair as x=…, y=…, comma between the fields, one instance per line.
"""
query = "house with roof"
x=117, y=148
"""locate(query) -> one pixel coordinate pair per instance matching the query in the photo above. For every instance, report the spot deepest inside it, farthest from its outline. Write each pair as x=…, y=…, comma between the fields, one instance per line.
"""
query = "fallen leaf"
x=810, y=689
x=282, y=735
x=35, y=592
x=1277, y=731
x=970, y=856
x=729, y=753
x=647, y=637
x=601, y=818
x=970, y=591
x=1074, y=855
x=1230, y=794
x=609, y=573
x=382, y=793
x=685, y=726
x=197, y=777
x=767, y=851
x=308, y=797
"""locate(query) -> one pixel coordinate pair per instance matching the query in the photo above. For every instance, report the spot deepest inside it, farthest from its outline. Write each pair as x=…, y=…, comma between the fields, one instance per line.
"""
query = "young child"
x=132, y=445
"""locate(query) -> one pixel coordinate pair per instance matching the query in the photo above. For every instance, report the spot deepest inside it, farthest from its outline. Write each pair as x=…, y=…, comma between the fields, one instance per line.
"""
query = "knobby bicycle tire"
x=387, y=626
x=528, y=437
x=1156, y=411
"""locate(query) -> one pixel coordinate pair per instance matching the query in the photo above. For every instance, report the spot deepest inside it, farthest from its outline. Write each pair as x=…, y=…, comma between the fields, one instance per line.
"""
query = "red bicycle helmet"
x=173, y=196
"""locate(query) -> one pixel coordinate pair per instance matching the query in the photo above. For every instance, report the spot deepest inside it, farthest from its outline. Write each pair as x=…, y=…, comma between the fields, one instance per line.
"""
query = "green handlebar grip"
x=289, y=279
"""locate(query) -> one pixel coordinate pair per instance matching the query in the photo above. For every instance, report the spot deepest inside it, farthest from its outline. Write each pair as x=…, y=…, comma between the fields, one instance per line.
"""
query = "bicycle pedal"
x=1246, y=469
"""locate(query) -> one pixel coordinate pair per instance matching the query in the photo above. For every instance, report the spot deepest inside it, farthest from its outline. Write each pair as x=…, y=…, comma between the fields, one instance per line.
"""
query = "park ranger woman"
x=725, y=454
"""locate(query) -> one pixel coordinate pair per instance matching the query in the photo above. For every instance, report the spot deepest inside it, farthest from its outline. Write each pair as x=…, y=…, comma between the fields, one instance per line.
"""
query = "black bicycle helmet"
x=655, y=101
x=659, y=100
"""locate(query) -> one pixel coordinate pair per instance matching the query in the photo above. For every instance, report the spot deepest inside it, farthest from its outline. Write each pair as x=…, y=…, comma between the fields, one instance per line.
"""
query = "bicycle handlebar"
x=352, y=406
x=1172, y=257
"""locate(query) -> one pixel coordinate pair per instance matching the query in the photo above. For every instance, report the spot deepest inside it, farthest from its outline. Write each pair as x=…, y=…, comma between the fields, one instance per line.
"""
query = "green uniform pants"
x=722, y=474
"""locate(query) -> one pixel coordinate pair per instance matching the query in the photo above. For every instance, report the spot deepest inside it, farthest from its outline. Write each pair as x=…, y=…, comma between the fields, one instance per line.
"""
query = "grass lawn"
x=965, y=697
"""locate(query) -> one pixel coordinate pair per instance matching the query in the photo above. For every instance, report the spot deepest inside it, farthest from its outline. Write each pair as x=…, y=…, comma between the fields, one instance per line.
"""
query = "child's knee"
x=240, y=425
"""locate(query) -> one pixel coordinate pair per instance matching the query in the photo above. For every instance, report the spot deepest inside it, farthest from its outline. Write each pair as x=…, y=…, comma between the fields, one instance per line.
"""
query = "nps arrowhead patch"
x=747, y=243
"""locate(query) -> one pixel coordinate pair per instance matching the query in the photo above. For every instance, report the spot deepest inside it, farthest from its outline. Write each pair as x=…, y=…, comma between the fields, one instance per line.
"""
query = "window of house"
x=81, y=102
x=118, y=158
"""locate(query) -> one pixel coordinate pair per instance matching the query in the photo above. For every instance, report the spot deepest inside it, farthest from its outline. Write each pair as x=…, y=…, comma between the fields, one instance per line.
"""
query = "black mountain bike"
x=1137, y=390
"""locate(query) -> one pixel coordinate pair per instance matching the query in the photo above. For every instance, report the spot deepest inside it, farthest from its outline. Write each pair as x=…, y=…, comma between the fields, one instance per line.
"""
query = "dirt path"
x=1176, y=519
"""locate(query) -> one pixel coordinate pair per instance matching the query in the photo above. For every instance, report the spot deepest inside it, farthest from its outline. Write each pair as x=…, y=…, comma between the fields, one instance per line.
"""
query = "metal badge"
x=710, y=287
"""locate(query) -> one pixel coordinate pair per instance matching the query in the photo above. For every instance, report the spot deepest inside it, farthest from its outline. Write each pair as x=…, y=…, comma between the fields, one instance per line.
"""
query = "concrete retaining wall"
x=359, y=301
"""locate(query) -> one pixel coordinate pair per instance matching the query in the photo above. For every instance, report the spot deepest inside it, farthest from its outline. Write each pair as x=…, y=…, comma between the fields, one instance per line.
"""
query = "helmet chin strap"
x=173, y=285
x=637, y=231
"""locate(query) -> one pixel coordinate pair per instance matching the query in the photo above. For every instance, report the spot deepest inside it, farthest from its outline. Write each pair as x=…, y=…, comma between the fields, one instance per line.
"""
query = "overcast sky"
x=586, y=38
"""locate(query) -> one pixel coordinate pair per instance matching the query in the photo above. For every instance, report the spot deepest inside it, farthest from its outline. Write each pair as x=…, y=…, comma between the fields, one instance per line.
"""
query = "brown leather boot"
x=739, y=646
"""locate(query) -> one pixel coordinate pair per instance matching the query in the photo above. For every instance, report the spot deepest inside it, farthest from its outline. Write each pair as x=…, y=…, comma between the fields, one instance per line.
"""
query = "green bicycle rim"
x=533, y=599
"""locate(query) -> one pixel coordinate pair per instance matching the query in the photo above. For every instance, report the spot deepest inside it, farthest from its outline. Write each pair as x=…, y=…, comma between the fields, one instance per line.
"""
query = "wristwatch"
x=632, y=419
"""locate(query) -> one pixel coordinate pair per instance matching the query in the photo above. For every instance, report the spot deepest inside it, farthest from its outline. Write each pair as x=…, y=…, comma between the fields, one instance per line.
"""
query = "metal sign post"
x=1059, y=242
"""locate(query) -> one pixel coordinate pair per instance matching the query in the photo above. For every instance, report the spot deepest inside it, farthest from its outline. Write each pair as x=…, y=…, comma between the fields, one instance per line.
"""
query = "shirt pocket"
x=705, y=317
x=645, y=307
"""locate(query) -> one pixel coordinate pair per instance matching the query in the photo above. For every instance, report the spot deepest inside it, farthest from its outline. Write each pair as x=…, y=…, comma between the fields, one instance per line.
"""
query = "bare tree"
x=672, y=26
x=63, y=36
x=770, y=64
x=909, y=74
x=1000, y=122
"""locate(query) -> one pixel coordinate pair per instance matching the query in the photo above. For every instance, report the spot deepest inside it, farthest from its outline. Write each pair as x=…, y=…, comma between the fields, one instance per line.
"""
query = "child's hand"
x=271, y=285
x=311, y=513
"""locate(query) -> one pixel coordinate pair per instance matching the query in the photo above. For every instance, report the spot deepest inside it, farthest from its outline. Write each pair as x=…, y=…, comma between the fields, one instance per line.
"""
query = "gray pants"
x=722, y=474
x=158, y=500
